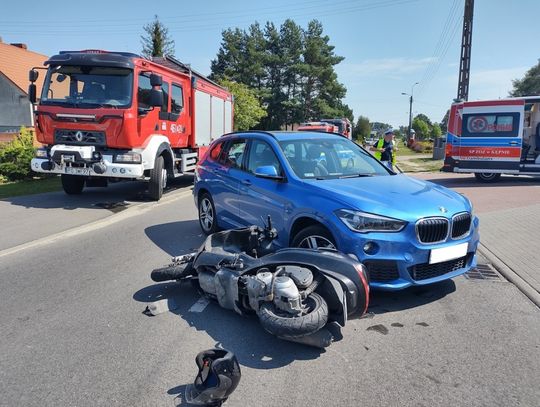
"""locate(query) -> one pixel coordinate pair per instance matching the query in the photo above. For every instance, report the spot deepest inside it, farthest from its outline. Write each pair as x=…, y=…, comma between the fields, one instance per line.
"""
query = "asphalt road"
x=74, y=331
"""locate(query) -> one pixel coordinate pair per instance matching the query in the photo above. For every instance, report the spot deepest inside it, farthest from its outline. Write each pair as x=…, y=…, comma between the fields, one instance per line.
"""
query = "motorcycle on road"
x=294, y=292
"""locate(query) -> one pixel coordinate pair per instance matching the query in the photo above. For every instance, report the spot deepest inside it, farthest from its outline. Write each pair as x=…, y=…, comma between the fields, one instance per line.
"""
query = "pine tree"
x=156, y=42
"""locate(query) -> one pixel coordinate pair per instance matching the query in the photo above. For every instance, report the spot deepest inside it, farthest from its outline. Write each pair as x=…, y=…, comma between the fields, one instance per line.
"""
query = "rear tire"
x=158, y=179
x=295, y=327
x=72, y=184
x=487, y=177
x=207, y=214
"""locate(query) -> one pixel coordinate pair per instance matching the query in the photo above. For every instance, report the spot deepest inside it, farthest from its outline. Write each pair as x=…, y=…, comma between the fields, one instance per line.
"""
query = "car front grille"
x=426, y=270
x=461, y=224
x=432, y=230
x=79, y=137
x=381, y=270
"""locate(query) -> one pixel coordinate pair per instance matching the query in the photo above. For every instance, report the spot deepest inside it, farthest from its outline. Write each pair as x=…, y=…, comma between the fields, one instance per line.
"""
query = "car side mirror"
x=268, y=172
x=32, y=93
x=156, y=80
x=156, y=98
x=33, y=75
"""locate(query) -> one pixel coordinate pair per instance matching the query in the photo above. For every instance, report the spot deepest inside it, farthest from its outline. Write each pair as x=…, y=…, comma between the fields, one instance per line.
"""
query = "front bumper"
x=113, y=170
x=401, y=261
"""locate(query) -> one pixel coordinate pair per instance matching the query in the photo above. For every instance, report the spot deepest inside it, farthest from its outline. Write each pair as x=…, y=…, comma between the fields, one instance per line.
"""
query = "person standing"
x=384, y=149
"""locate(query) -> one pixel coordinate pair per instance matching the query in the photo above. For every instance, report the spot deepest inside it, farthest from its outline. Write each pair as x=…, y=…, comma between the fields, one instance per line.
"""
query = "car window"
x=261, y=154
x=215, y=152
x=329, y=158
x=233, y=154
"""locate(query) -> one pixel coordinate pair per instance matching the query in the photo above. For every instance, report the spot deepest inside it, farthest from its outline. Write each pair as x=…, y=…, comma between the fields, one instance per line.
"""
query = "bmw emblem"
x=443, y=209
x=79, y=136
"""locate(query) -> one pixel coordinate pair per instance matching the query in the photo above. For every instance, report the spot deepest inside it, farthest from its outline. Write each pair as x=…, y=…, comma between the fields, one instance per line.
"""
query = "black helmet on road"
x=218, y=376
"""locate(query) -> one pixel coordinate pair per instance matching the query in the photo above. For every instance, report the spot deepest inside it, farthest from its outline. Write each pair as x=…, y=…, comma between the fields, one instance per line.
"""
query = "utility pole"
x=466, y=43
x=410, y=108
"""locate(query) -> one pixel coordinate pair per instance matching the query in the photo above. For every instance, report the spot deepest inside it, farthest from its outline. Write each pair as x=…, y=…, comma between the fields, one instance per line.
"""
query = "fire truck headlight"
x=41, y=153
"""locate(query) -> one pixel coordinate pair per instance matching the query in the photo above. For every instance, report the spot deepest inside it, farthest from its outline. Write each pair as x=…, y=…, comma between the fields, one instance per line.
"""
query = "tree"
x=421, y=128
x=290, y=69
x=444, y=122
x=362, y=129
x=247, y=108
x=424, y=118
x=529, y=84
x=435, y=131
x=380, y=127
x=156, y=42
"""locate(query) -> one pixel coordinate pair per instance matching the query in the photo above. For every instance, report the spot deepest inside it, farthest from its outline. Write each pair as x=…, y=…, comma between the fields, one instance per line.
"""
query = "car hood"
x=396, y=196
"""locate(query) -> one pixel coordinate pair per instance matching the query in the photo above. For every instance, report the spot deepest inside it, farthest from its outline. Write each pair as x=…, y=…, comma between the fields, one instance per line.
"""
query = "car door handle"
x=246, y=182
x=513, y=143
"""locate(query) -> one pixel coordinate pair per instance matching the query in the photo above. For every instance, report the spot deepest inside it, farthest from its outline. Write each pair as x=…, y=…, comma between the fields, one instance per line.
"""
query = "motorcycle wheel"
x=279, y=324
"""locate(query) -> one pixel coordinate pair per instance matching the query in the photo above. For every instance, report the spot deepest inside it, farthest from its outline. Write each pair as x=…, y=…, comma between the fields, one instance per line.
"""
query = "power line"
x=197, y=26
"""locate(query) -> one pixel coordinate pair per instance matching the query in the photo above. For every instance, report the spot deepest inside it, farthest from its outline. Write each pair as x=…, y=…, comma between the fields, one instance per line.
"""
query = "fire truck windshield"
x=87, y=87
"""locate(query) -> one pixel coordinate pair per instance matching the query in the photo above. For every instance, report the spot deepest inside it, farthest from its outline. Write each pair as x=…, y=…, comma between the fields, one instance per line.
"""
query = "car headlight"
x=368, y=222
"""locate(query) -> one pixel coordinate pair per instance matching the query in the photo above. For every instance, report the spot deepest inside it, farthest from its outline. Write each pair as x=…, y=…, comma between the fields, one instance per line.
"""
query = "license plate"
x=448, y=253
x=77, y=171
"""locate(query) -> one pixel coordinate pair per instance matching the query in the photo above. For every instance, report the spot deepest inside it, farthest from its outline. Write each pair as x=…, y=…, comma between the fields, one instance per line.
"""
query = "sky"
x=388, y=45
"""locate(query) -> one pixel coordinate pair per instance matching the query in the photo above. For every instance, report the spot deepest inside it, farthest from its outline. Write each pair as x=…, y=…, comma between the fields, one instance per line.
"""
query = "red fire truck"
x=340, y=126
x=107, y=116
x=494, y=137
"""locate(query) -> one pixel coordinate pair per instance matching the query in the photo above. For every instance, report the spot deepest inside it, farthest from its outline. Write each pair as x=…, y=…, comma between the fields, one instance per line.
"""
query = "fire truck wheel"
x=158, y=179
x=72, y=184
x=487, y=176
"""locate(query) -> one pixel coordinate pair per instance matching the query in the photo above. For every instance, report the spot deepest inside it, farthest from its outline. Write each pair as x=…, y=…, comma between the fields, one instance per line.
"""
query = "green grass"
x=421, y=165
x=29, y=187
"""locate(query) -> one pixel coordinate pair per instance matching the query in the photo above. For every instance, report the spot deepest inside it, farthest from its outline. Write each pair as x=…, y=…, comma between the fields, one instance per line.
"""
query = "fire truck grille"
x=432, y=230
x=461, y=224
x=79, y=137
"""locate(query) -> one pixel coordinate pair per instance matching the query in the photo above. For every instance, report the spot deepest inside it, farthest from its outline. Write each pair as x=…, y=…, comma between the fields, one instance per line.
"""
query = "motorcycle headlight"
x=368, y=222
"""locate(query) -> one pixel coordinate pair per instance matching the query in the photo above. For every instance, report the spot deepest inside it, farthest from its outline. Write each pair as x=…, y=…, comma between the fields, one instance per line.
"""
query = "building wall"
x=15, y=108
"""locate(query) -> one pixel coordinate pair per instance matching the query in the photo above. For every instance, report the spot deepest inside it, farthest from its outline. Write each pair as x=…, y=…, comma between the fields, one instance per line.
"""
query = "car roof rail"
x=268, y=133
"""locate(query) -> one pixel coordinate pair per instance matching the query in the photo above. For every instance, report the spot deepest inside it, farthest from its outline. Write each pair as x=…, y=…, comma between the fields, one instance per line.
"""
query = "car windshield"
x=88, y=87
x=330, y=158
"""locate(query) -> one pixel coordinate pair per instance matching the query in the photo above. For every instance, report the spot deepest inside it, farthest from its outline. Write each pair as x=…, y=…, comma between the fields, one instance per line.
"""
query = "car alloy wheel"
x=206, y=214
x=316, y=242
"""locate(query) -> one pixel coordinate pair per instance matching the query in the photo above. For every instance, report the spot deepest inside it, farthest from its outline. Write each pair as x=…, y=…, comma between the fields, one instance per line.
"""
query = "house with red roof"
x=15, y=107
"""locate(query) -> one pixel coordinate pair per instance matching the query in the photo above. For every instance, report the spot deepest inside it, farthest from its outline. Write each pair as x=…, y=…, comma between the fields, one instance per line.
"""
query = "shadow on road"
x=176, y=238
x=116, y=197
x=384, y=301
x=243, y=335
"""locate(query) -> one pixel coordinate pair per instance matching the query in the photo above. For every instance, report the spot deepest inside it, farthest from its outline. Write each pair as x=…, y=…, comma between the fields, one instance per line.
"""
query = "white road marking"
x=130, y=212
x=200, y=305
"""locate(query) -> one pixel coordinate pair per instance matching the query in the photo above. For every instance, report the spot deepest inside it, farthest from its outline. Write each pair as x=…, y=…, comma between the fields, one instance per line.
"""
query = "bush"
x=16, y=155
x=421, y=146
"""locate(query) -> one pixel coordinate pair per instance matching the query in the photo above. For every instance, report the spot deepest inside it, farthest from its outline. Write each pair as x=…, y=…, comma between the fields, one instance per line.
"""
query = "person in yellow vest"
x=383, y=149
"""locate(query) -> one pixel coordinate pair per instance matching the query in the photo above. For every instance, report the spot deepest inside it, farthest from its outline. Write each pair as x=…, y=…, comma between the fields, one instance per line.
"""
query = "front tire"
x=487, y=177
x=72, y=184
x=207, y=214
x=295, y=327
x=158, y=179
x=314, y=237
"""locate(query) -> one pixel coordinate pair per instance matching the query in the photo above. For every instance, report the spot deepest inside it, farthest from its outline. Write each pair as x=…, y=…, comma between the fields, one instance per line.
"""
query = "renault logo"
x=443, y=209
x=79, y=136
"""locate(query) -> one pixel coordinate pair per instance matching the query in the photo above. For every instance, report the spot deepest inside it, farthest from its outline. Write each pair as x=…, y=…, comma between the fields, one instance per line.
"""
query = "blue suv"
x=323, y=190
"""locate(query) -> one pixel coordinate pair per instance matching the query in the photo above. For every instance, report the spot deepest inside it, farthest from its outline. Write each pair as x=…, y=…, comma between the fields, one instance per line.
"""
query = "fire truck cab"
x=490, y=138
x=107, y=116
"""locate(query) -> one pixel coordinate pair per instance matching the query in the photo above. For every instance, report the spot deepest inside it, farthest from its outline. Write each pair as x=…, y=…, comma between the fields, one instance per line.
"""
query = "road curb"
x=529, y=291
x=112, y=218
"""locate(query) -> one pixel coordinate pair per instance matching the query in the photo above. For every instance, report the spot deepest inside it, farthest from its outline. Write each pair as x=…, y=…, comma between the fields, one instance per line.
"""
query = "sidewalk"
x=509, y=213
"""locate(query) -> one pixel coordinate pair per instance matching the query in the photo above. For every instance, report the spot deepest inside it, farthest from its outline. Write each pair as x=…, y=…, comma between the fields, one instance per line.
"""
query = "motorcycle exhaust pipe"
x=172, y=272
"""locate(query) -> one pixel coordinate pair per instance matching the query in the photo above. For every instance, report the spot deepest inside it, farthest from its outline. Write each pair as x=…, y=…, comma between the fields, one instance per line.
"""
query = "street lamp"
x=410, y=108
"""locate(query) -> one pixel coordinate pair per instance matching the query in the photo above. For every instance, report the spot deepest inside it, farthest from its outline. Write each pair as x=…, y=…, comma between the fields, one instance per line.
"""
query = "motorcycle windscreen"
x=491, y=140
